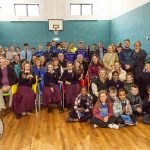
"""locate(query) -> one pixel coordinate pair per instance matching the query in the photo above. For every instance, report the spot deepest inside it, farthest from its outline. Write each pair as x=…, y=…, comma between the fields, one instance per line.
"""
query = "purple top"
x=5, y=77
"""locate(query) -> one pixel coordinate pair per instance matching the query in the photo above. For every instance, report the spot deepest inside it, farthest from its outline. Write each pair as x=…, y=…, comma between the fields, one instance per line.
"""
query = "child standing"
x=102, y=112
x=82, y=109
x=135, y=100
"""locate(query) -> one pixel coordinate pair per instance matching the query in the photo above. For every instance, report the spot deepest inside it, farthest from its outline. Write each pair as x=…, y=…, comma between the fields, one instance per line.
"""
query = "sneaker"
x=18, y=116
x=69, y=120
x=113, y=126
x=121, y=125
x=49, y=109
x=23, y=113
x=95, y=126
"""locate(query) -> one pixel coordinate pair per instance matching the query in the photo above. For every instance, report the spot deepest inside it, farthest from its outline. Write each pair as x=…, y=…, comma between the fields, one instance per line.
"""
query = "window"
x=26, y=9
x=81, y=9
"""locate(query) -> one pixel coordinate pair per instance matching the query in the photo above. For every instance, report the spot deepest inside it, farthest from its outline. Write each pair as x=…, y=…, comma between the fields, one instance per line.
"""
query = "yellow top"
x=72, y=50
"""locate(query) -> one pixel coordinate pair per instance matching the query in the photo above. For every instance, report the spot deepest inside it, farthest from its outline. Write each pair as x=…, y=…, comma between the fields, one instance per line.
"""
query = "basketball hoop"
x=56, y=29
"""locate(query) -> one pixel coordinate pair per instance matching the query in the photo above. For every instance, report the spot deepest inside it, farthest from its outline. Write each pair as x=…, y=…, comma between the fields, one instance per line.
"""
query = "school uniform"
x=146, y=105
x=49, y=97
x=72, y=90
x=25, y=55
x=24, y=98
x=39, y=53
x=118, y=84
x=85, y=102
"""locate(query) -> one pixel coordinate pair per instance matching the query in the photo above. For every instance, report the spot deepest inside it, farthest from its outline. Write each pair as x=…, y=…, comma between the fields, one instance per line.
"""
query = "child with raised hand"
x=122, y=110
x=135, y=100
x=103, y=112
x=82, y=109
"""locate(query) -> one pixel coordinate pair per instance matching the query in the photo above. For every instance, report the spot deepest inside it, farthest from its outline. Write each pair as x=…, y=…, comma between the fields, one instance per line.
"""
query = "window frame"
x=26, y=10
x=81, y=4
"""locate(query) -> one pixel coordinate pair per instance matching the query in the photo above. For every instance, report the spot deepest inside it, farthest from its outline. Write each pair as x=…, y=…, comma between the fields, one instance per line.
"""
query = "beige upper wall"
x=60, y=9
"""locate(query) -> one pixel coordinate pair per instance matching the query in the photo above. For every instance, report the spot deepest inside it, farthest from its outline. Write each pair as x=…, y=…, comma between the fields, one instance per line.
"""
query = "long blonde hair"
x=98, y=103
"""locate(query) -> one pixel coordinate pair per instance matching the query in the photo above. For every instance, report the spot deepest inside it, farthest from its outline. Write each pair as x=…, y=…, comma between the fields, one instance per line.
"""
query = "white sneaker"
x=113, y=126
x=95, y=125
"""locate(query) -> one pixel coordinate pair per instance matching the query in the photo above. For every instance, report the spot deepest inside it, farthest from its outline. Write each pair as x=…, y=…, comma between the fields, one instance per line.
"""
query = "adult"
x=26, y=54
x=126, y=57
x=139, y=61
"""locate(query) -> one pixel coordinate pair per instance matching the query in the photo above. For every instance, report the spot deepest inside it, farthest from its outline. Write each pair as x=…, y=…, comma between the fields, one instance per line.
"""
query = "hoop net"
x=56, y=29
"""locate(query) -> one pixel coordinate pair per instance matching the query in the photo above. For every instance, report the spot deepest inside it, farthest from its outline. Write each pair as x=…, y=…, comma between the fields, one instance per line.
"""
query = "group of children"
x=108, y=97
x=113, y=108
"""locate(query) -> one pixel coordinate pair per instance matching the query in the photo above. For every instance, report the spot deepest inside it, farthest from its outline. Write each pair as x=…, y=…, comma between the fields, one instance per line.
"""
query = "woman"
x=139, y=61
x=94, y=67
x=100, y=83
x=110, y=58
x=24, y=99
x=122, y=73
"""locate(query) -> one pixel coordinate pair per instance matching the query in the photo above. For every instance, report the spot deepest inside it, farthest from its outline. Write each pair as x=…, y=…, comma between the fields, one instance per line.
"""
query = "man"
x=26, y=54
x=126, y=57
x=7, y=79
x=100, y=51
x=47, y=53
x=39, y=52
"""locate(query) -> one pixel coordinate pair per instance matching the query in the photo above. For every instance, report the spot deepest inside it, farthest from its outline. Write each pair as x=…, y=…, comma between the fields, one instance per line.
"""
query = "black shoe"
x=18, y=116
x=61, y=110
x=49, y=109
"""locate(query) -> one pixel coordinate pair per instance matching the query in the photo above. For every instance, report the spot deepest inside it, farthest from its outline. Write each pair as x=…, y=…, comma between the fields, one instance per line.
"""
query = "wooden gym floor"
x=43, y=131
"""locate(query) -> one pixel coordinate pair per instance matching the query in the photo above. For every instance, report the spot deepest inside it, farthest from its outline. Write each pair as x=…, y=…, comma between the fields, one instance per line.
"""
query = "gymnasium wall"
x=34, y=32
x=134, y=25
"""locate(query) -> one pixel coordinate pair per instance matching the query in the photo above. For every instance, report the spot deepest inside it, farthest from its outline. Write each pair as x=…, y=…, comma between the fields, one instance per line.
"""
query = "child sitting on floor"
x=135, y=100
x=122, y=110
x=102, y=112
x=82, y=109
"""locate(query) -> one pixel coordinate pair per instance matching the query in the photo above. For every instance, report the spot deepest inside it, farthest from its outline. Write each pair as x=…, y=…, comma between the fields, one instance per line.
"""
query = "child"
x=82, y=109
x=122, y=110
x=112, y=93
x=71, y=81
x=135, y=100
x=115, y=81
x=51, y=93
x=102, y=112
x=24, y=98
x=146, y=107
x=129, y=82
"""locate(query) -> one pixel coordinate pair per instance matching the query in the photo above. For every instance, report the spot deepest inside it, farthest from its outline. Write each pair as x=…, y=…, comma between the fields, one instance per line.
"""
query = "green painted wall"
x=37, y=32
x=134, y=25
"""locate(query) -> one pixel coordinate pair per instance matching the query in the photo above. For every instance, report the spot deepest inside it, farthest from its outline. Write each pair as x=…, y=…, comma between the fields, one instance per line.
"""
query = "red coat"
x=94, y=69
x=97, y=110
